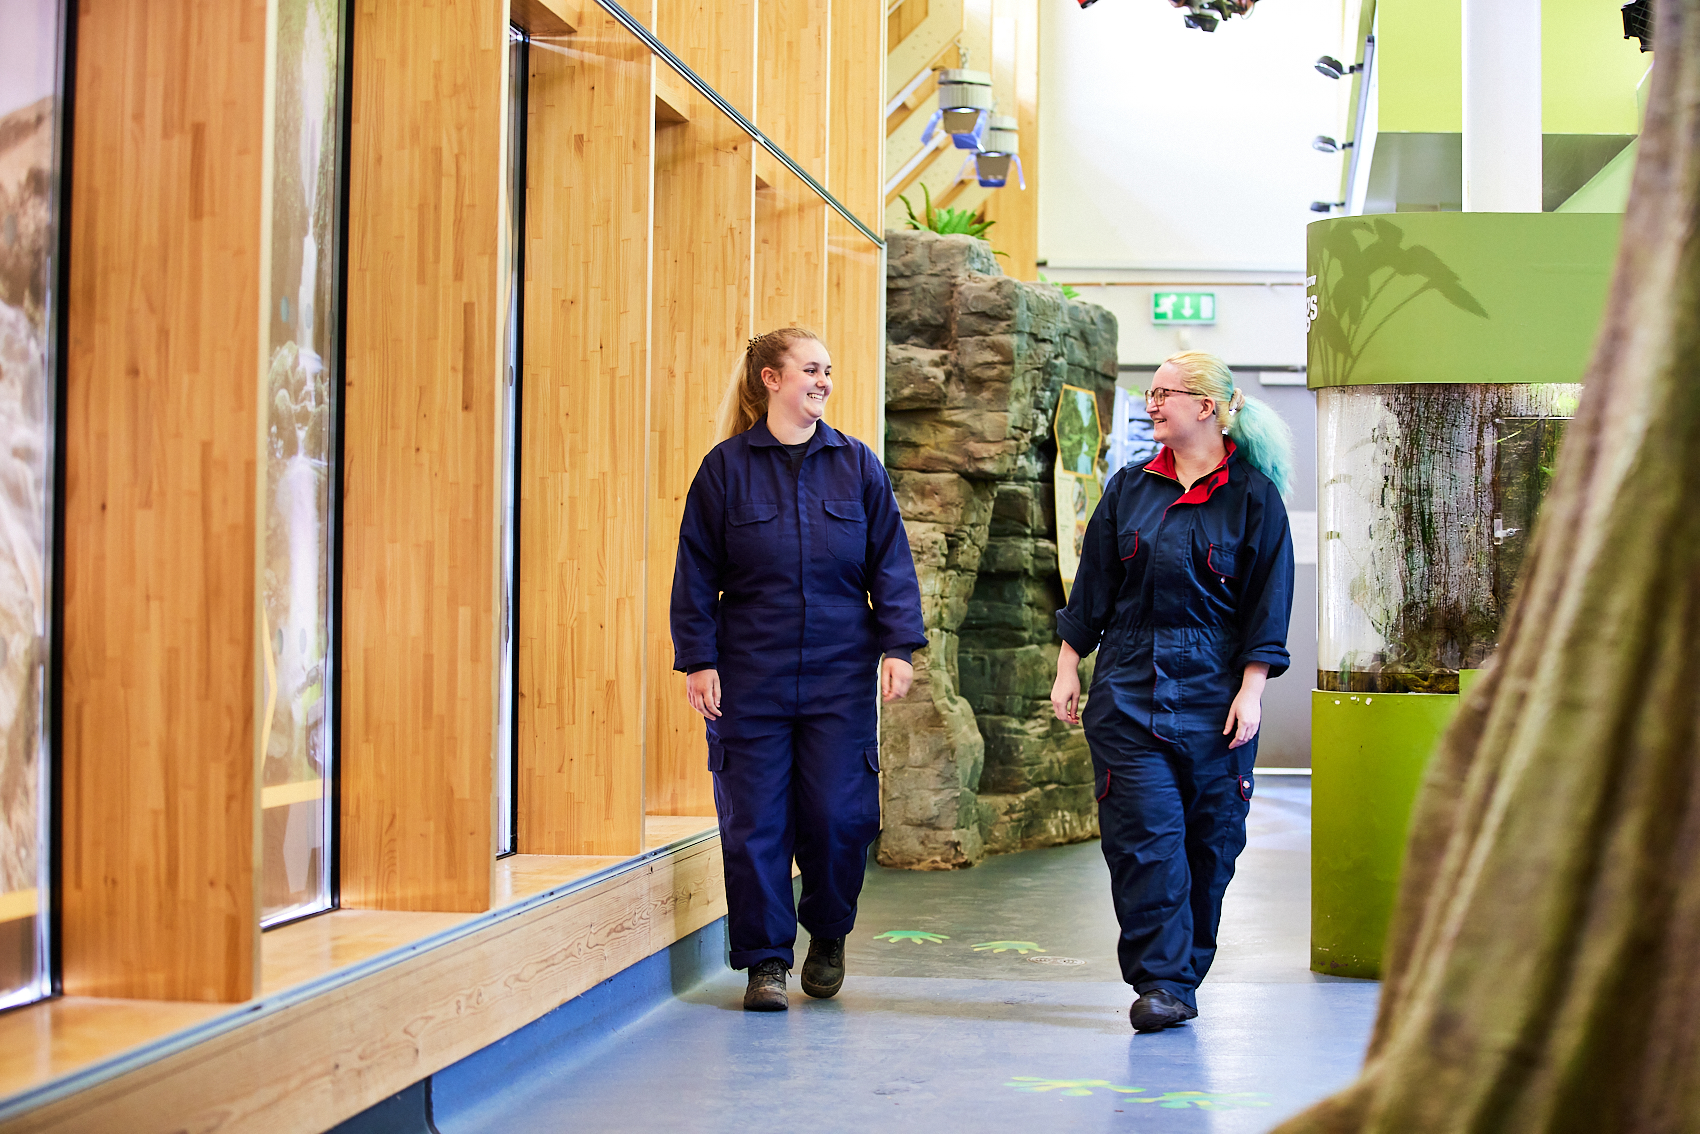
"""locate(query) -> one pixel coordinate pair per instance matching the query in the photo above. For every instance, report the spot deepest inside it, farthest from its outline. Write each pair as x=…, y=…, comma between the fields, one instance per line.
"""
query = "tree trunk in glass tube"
x=1540, y=972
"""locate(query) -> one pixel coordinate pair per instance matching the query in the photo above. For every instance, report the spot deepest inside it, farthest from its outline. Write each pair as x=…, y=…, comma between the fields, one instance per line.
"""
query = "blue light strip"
x=661, y=49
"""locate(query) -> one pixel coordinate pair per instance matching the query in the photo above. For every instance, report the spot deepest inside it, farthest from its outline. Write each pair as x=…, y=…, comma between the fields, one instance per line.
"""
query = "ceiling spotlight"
x=1334, y=69
x=1326, y=206
x=1204, y=15
x=1328, y=145
x=1638, y=23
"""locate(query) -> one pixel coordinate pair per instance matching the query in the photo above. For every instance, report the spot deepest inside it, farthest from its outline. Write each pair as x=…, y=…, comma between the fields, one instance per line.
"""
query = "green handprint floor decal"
x=1168, y=1100
x=1069, y=1086
x=1022, y=947
x=1206, y=1100
x=914, y=936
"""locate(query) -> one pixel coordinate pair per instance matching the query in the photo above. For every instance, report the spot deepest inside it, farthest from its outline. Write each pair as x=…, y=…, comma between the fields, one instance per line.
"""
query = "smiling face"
x=1182, y=417
x=797, y=394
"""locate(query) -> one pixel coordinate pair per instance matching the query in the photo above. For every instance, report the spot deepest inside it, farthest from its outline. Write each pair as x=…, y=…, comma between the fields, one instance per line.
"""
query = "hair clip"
x=755, y=341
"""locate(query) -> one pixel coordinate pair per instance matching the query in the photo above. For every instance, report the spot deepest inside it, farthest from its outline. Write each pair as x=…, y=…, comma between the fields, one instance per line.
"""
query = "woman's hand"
x=1245, y=715
x=896, y=675
x=702, y=690
x=1065, y=693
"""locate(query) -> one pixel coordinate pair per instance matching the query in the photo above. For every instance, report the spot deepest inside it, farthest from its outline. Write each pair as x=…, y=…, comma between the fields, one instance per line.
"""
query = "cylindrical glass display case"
x=1428, y=497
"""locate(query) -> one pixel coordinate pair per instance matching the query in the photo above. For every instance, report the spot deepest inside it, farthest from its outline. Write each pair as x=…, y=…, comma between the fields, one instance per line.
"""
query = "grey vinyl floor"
x=988, y=1000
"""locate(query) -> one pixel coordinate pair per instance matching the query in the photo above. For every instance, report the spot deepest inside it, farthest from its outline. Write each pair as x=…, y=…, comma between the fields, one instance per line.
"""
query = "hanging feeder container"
x=965, y=99
x=999, y=149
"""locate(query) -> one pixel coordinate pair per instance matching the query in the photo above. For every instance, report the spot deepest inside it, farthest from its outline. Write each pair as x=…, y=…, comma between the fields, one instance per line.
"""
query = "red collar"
x=1164, y=465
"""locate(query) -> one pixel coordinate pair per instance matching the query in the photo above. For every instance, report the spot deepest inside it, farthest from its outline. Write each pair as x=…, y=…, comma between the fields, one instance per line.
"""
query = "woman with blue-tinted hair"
x=1184, y=588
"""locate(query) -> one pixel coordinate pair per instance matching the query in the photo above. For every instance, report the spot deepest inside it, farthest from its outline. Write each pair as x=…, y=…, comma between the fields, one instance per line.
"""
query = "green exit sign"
x=1183, y=307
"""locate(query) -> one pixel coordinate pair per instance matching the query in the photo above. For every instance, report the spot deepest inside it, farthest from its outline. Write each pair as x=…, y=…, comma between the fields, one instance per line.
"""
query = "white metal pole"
x=1502, y=106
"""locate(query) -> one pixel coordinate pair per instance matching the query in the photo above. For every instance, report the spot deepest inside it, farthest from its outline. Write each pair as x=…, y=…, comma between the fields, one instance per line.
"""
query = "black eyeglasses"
x=1157, y=395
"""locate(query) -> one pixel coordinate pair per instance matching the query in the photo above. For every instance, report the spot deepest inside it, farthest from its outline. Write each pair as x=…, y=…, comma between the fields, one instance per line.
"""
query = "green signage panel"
x=1456, y=297
x=1183, y=307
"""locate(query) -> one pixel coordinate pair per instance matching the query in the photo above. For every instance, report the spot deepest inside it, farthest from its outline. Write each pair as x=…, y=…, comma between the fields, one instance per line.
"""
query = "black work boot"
x=766, y=991
x=823, y=969
x=1158, y=1009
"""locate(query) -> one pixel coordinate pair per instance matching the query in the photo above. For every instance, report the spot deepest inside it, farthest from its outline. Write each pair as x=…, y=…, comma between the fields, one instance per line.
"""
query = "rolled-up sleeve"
x=1097, y=581
x=1266, y=606
x=893, y=588
x=697, y=571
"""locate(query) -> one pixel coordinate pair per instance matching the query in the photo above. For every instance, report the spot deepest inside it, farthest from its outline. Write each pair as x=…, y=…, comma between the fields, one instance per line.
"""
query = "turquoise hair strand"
x=1264, y=442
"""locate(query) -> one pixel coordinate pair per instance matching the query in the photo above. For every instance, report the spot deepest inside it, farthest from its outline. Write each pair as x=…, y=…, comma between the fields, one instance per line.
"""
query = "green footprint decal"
x=914, y=936
x=1022, y=947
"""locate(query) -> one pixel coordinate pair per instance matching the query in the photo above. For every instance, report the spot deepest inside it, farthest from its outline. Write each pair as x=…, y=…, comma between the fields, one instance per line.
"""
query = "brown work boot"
x=766, y=991
x=823, y=969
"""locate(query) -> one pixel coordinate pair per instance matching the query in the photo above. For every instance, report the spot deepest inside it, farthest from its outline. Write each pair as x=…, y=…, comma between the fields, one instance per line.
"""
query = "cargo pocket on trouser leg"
x=871, y=793
x=1246, y=785
x=716, y=758
x=1101, y=787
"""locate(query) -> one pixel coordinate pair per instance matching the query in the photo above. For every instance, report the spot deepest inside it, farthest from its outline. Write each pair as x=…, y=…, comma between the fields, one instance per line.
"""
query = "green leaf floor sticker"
x=1022, y=947
x=1168, y=1100
x=913, y=936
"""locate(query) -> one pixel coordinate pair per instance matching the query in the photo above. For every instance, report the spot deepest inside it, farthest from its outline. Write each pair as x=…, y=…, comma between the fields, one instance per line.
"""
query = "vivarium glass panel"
x=31, y=49
x=1428, y=497
x=300, y=388
x=519, y=81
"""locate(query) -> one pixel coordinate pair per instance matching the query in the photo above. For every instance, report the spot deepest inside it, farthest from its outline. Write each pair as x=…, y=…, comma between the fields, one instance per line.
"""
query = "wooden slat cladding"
x=420, y=529
x=792, y=81
x=855, y=332
x=717, y=40
x=856, y=150
x=1015, y=42
x=582, y=477
x=790, y=269
x=704, y=233
x=159, y=799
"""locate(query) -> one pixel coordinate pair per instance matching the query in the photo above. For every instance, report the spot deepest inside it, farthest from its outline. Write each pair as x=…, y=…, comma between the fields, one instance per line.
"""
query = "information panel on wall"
x=299, y=392
x=31, y=48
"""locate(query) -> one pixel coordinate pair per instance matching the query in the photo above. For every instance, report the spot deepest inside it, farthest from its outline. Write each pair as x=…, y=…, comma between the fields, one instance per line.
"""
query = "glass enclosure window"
x=519, y=77
x=300, y=393
x=31, y=47
x=1428, y=496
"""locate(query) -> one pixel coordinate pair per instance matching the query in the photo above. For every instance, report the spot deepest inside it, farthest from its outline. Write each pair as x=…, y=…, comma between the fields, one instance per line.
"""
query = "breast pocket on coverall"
x=749, y=532
x=846, y=530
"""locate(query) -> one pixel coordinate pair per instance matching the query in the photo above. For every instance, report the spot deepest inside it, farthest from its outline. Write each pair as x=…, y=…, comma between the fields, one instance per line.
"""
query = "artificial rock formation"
x=975, y=762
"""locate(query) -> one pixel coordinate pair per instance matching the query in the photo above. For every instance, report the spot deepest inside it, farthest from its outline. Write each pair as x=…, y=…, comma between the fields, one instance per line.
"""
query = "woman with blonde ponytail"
x=793, y=581
x=1185, y=587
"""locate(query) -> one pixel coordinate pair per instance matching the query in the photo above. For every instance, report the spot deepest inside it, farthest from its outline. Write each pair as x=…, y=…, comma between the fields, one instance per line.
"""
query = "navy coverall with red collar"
x=1179, y=592
x=792, y=584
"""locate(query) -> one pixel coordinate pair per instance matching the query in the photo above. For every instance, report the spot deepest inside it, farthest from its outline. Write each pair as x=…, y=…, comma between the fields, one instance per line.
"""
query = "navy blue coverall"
x=792, y=585
x=1179, y=592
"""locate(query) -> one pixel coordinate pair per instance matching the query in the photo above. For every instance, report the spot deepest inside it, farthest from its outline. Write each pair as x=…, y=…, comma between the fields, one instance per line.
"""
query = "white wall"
x=1258, y=325
x=1163, y=147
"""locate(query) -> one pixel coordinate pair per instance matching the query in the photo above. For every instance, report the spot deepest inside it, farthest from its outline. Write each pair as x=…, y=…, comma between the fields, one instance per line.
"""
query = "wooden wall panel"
x=717, y=40
x=704, y=234
x=790, y=270
x=583, y=449
x=792, y=80
x=855, y=332
x=420, y=515
x=159, y=797
x=856, y=149
x=1015, y=62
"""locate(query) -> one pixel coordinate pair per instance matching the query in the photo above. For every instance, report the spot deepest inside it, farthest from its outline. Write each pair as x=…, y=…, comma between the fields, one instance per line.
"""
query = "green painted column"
x=1368, y=755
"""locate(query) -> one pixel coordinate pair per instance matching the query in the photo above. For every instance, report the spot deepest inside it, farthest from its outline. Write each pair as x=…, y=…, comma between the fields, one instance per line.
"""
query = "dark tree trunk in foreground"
x=1544, y=964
